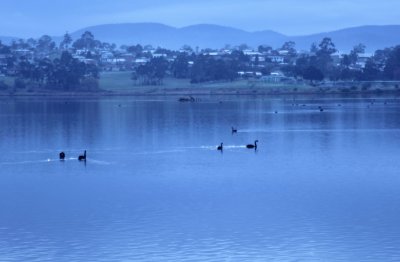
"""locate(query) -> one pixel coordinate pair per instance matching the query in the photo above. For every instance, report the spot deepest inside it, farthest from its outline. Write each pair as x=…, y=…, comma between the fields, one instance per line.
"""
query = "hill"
x=215, y=36
x=374, y=37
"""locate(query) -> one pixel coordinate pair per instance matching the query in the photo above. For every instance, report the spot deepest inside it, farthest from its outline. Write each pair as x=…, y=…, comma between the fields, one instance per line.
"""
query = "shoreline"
x=193, y=91
x=113, y=84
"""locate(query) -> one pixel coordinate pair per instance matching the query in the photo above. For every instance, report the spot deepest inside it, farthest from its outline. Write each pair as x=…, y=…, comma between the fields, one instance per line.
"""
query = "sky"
x=33, y=18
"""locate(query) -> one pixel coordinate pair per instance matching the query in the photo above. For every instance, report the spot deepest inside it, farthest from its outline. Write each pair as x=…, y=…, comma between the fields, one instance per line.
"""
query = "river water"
x=321, y=186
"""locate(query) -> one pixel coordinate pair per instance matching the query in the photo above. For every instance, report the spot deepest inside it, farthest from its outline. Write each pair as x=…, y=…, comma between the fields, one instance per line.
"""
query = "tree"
x=323, y=60
x=207, y=68
x=381, y=56
x=4, y=49
x=242, y=59
x=314, y=48
x=32, y=43
x=355, y=52
x=264, y=49
x=180, y=67
x=67, y=40
x=371, y=71
x=45, y=44
x=346, y=61
x=148, y=47
x=153, y=72
x=86, y=41
x=69, y=73
x=243, y=47
x=392, y=65
x=326, y=47
x=313, y=74
x=302, y=63
x=137, y=50
x=290, y=47
x=187, y=49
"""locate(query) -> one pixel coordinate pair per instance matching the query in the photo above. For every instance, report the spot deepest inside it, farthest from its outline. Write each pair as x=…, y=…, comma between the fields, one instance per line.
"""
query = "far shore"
x=120, y=84
x=202, y=91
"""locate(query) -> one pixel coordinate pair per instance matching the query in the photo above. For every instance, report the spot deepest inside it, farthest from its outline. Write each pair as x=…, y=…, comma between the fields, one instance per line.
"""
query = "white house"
x=276, y=59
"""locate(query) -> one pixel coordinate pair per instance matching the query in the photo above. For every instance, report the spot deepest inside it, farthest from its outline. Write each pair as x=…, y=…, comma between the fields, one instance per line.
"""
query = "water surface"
x=322, y=186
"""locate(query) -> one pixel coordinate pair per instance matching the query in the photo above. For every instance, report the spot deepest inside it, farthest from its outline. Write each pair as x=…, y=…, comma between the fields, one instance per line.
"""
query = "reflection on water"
x=321, y=186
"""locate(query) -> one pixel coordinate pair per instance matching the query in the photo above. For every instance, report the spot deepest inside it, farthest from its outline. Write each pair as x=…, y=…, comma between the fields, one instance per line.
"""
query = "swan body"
x=82, y=157
x=62, y=156
x=252, y=146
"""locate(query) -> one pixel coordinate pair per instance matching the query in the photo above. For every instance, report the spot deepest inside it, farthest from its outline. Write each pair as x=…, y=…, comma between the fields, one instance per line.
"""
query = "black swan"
x=82, y=157
x=234, y=130
x=220, y=147
x=62, y=156
x=252, y=146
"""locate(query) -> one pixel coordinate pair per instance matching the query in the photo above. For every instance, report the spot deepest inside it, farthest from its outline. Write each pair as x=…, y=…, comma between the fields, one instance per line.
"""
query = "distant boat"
x=220, y=148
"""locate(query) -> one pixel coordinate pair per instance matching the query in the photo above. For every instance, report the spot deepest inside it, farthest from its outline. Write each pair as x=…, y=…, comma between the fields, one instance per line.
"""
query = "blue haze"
x=27, y=18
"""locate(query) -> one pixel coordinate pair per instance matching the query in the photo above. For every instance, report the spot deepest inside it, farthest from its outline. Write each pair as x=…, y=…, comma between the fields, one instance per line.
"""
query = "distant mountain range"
x=215, y=36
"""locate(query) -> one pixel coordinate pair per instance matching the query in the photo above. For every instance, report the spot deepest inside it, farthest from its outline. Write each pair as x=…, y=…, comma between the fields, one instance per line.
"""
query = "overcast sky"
x=26, y=18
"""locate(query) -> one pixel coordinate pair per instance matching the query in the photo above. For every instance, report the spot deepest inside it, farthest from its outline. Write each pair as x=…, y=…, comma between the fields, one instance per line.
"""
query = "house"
x=104, y=55
x=82, y=51
x=274, y=77
x=283, y=52
x=276, y=59
x=141, y=61
x=251, y=53
x=362, y=60
x=90, y=61
x=79, y=57
x=26, y=53
x=248, y=74
x=156, y=55
x=212, y=53
x=261, y=59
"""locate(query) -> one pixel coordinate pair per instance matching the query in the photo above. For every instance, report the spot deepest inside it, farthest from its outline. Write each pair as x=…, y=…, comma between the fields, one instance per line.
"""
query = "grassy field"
x=117, y=83
x=121, y=81
x=8, y=80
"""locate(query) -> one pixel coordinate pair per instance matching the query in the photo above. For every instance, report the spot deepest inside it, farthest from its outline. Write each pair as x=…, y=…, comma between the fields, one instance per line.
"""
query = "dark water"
x=322, y=186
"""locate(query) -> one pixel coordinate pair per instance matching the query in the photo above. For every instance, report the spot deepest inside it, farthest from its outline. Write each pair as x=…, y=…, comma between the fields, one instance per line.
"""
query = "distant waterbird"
x=220, y=147
x=234, y=130
x=252, y=146
x=62, y=156
x=82, y=157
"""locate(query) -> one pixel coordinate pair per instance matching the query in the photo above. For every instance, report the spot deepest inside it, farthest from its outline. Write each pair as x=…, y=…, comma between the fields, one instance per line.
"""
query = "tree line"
x=42, y=63
x=316, y=65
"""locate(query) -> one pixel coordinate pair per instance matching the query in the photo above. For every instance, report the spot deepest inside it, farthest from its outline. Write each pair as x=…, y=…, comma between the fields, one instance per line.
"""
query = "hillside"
x=215, y=36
